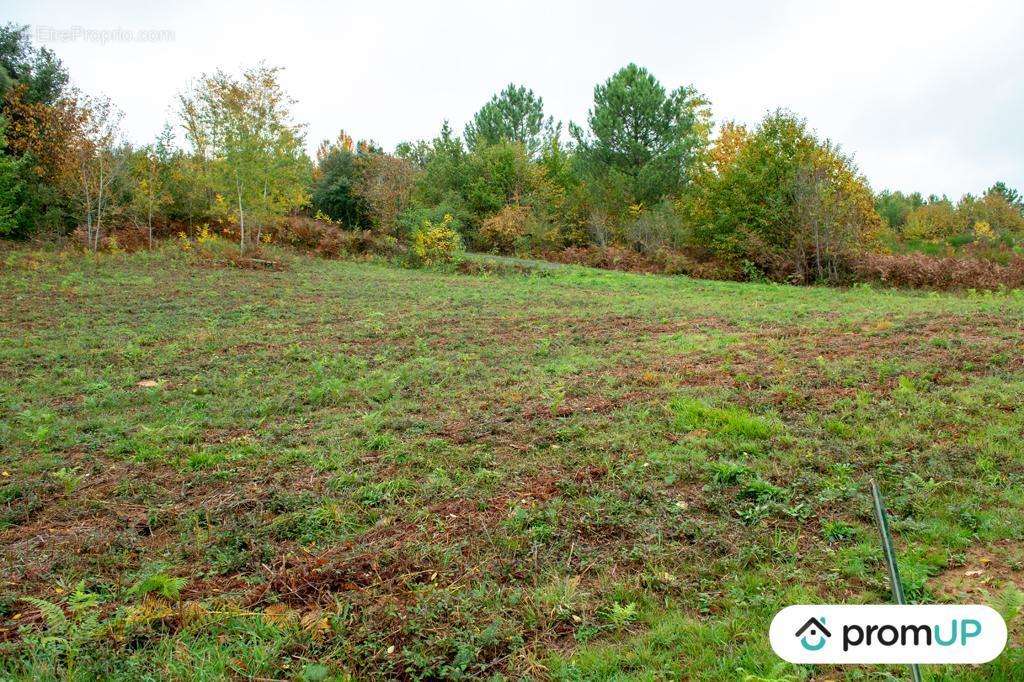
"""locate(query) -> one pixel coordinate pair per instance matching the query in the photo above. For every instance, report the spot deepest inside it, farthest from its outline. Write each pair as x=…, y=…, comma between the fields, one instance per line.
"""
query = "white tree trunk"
x=241, y=217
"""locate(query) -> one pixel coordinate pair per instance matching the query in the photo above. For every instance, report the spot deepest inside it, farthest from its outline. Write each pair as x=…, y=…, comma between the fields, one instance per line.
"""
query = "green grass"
x=346, y=469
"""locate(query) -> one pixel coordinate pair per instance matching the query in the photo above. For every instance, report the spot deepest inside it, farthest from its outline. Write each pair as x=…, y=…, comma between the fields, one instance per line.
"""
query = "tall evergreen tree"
x=642, y=140
x=513, y=115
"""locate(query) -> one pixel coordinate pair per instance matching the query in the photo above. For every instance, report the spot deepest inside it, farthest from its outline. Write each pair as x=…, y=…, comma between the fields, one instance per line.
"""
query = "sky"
x=926, y=96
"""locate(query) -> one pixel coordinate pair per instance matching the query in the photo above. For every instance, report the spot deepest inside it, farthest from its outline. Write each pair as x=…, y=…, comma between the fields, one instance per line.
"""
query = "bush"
x=503, y=230
x=118, y=240
x=920, y=270
x=936, y=222
x=657, y=228
x=436, y=243
x=791, y=204
x=327, y=238
x=412, y=219
x=385, y=184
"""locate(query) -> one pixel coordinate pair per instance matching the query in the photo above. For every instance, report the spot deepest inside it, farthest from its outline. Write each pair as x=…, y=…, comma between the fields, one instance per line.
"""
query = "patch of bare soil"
x=987, y=569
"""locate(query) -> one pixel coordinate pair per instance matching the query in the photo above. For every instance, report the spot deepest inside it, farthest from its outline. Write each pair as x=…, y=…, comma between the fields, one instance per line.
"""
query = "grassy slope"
x=582, y=474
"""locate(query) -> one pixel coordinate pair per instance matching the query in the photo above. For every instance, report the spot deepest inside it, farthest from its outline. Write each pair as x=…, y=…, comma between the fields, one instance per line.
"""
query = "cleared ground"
x=349, y=468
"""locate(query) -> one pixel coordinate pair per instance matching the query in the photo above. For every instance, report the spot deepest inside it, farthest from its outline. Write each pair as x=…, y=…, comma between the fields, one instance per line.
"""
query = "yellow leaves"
x=324, y=218
x=314, y=622
x=150, y=610
x=280, y=614
x=506, y=227
x=183, y=242
x=436, y=243
x=983, y=231
x=731, y=139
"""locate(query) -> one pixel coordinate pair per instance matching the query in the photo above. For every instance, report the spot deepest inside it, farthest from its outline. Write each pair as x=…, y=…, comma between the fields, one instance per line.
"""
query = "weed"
x=168, y=587
x=692, y=414
x=70, y=478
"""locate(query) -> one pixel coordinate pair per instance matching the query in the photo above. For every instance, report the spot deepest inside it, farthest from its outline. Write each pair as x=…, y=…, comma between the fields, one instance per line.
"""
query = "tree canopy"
x=642, y=139
x=513, y=115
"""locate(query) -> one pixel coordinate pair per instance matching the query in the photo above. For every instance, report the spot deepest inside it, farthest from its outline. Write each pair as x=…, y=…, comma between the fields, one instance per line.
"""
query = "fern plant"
x=65, y=637
x=168, y=587
x=1008, y=603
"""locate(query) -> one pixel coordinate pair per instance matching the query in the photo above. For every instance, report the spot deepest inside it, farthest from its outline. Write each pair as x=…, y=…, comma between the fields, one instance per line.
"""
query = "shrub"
x=920, y=270
x=385, y=185
x=436, y=243
x=412, y=219
x=936, y=221
x=655, y=229
x=503, y=230
x=327, y=238
x=791, y=204
x=118, y=240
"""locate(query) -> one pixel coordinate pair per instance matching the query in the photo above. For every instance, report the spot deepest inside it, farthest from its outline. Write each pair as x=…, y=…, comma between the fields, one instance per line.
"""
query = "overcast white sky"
x=929, y=96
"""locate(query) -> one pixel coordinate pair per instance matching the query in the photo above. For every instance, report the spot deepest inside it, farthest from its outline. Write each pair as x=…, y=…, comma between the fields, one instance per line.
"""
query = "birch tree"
x=242, y=129
x=97, y=164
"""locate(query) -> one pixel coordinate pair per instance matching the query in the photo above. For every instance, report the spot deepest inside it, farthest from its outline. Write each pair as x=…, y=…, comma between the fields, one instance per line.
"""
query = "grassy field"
x=350, y=469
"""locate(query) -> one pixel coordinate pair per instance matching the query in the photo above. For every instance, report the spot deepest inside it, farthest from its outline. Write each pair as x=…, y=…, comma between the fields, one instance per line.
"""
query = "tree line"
x=647, y=173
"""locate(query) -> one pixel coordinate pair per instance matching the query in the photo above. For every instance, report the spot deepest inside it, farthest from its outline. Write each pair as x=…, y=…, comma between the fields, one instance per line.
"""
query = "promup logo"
x=888, y=634
x=813, y=628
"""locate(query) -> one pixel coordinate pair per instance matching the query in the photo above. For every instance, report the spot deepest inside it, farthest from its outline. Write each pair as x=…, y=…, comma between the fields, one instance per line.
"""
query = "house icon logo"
x=815, y=631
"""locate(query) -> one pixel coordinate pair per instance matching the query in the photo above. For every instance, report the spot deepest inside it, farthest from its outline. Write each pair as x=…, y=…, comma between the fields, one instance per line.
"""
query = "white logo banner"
x=837, y=634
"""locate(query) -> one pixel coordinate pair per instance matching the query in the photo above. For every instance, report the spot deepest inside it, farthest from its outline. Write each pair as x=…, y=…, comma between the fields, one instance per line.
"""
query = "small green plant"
x=761, y=490
x=68, y=477
x=1008, y=603
x=168, y=587
x=555, y=397
x=560, y=598
x=838, y=531
x=67, y=636
x=621, y=615
x=725, y=473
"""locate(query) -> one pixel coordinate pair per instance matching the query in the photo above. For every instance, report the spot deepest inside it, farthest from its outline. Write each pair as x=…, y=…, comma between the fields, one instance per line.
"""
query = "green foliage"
x=436, y=243
x=792, y=205
x=68, y=477
x=497, y=176
x=661, y=226
x=642, y=144
x=334, y=182
x=934, y=221
x=242, y=127
x=168, y=587
x=1012, y=196
x=14, y=208
x=444, y=178
x=37, y=68
x=412, y=219
x=692, y=414
x=895, y=207
x=1008, y=602
x=513, y=115
x=66, y=639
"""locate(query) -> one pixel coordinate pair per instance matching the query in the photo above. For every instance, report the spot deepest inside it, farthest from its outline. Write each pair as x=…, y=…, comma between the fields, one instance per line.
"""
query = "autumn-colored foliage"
x=920, y=270
x=385, y=183
x=436, y=243
x=503, y=230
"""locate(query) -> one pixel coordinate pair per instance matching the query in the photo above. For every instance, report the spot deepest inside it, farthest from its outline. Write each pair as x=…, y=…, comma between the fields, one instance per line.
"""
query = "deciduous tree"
x=242, y=127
